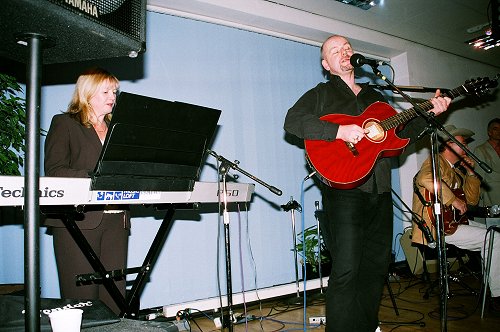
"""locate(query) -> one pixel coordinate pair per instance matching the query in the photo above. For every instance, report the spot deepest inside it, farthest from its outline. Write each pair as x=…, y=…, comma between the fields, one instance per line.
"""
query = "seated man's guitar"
x=451, y=216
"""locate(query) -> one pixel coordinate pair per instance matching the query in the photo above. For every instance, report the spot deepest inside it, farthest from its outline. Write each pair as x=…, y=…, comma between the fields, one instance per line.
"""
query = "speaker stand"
x=34, y=42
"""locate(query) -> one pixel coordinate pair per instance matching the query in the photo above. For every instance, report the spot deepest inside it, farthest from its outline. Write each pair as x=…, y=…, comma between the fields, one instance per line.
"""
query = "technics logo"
x=43, y=193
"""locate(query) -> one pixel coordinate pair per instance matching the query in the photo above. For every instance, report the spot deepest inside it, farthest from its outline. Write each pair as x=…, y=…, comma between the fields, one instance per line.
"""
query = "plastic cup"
x=68, y=320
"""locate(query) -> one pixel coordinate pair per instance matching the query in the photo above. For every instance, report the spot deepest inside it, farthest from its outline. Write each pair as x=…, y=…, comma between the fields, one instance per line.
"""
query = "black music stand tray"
x=151, y=145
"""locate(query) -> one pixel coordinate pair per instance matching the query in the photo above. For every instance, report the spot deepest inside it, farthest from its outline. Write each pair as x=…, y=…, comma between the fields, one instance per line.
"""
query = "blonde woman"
x=72, y=148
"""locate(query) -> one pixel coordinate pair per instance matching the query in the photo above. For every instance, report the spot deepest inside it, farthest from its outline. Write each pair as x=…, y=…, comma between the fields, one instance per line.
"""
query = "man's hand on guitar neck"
x=440, y=103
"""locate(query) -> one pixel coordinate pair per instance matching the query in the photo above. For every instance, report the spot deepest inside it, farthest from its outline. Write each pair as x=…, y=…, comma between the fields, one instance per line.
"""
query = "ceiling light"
x=363, y=4
x=491, y=37
x=486, y=41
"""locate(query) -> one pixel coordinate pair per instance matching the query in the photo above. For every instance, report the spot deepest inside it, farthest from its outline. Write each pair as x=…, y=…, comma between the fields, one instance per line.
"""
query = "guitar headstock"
x=480, y=85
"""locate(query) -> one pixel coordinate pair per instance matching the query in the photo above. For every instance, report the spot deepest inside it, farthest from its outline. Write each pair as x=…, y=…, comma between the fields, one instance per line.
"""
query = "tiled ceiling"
x=441, y=24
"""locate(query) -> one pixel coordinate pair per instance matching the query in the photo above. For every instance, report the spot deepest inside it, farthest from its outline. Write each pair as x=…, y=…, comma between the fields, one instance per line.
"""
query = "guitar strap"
x=459, y=171
x=419, y=195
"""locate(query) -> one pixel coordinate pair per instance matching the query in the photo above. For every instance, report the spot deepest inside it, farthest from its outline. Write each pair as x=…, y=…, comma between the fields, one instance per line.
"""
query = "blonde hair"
x=86, y=86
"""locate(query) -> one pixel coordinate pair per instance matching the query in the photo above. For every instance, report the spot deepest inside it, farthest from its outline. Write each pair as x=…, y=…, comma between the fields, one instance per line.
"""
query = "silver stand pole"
x=292, y=206
x=491, y=230
x=225, y=166
x=316, y=203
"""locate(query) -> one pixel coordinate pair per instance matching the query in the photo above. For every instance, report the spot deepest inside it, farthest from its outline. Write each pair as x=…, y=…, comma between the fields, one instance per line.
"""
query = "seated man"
x=460, y=187
x=489, y=152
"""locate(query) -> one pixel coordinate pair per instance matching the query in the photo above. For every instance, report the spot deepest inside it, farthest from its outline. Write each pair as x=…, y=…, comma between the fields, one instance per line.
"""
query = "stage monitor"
x=154, y=145
x=73, y=31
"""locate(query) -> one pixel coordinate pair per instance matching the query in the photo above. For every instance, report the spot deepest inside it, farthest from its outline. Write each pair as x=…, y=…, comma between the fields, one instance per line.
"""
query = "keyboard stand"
x=129, y=307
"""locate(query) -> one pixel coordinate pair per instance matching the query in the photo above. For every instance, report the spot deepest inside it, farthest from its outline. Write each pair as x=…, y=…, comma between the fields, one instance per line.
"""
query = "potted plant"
x=13, y=111
x=12, y=145
x=307, y=249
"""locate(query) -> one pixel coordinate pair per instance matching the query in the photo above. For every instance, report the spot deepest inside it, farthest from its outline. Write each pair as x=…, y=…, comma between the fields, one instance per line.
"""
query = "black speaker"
x=495, y=18
x=73, y=30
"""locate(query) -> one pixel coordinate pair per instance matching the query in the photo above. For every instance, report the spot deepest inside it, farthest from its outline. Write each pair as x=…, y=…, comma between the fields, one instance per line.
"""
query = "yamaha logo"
x=85, y=6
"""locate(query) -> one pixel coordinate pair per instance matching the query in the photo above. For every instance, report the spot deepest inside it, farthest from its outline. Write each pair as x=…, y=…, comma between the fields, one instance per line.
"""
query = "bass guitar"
x=451, y=216
x=344, y=165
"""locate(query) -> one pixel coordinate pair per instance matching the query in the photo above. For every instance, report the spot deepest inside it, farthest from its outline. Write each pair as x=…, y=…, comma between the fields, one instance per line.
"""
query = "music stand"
x=151, y=145
x=154, y=144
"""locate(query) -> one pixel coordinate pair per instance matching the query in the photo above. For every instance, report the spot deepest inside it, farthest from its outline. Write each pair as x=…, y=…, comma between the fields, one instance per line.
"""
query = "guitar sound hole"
x=375, y=131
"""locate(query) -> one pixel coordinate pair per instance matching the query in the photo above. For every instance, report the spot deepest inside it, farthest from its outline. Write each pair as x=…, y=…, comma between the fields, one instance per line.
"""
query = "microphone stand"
x=432, y=128
x=291, y=206
x=225, y=166
x=318, y=234
x=407, y=88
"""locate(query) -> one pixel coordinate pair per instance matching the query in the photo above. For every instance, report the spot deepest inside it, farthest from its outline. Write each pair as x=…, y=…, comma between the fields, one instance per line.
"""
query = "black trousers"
x=110, y=243
x=357, y=230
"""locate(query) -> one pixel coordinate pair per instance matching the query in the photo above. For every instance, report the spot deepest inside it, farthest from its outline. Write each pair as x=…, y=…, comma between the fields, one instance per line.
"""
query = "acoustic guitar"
x=344, y=165
x=451, y=216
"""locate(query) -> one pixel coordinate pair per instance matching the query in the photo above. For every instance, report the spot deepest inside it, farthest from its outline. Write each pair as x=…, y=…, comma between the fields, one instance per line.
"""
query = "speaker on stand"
x=495, y=18
x=73, y=30
x=38, y=32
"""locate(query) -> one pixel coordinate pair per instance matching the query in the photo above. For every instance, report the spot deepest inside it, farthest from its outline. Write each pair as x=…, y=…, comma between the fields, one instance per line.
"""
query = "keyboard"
x=76, y=191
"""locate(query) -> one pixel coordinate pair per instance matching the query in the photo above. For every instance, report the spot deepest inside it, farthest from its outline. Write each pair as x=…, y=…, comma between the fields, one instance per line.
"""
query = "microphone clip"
x=292, y=205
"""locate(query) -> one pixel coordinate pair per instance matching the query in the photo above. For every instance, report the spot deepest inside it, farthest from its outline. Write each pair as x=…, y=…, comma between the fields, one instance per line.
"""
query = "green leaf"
x=13, y=110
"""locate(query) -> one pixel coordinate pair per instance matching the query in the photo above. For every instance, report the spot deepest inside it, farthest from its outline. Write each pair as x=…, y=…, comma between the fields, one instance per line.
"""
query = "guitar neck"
x=407, y=115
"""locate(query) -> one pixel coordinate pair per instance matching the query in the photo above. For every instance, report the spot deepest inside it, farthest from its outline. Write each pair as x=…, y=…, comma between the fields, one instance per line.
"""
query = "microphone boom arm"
x=229, y=164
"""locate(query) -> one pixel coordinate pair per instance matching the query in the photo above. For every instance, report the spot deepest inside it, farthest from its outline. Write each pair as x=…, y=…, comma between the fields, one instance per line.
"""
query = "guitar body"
x=451, y=216
x=338, y=165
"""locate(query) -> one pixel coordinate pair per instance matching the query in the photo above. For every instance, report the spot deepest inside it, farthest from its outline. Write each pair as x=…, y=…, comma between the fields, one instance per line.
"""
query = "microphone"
x=417, y=192
x=275, y=191
x=493, y=210
x=426, y=231
x=428, y=236
x=358, y=60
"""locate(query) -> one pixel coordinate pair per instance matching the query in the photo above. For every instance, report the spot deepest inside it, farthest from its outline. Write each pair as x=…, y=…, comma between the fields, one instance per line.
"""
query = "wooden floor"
x=416, y=311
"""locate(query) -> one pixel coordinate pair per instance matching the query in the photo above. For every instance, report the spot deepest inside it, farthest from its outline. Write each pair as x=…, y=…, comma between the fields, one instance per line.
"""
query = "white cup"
x=68, y=320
